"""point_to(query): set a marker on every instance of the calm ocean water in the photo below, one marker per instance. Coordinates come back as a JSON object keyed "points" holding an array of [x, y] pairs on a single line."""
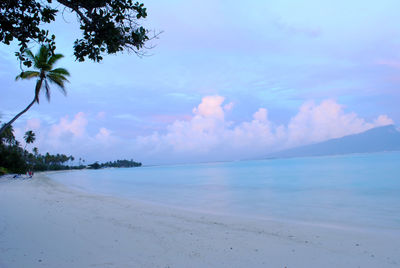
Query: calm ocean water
{"points": [[353, 190]]}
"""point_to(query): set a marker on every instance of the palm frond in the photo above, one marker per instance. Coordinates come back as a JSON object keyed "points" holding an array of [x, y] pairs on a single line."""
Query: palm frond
{"points": [[29, 136], [61, 71], [43, 53], [59, 81], [57, 77], [41, 58], [37, 89], [47, 90], [54, 58], [27, 75], [44, 61], [29, 54]]}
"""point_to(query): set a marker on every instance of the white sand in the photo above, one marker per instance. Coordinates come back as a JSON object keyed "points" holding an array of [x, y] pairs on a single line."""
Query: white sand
{"points": [[45, 224]]}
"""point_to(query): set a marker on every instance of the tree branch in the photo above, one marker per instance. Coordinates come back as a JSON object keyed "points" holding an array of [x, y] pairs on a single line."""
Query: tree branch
{"points": [[75, 8]]}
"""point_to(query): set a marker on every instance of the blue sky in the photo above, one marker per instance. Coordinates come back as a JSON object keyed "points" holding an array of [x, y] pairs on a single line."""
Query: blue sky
{"points": [[226, 80]]}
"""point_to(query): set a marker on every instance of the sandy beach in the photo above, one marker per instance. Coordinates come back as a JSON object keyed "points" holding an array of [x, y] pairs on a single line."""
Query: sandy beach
{"points": [[46, 224]]}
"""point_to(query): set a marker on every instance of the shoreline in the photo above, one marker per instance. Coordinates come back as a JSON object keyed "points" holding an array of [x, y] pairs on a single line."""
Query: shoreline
{"points": [[46, 224]]}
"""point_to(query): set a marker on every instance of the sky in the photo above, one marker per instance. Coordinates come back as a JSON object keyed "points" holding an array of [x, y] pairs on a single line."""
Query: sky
{"points": [[226, 80]]}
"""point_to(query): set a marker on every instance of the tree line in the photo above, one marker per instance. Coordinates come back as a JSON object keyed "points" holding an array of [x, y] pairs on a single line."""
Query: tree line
{"points": [[116, 164], [16, 159]]}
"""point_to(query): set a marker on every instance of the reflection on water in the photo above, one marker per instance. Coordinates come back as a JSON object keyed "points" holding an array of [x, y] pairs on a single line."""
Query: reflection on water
{"points": [[358, 190]]}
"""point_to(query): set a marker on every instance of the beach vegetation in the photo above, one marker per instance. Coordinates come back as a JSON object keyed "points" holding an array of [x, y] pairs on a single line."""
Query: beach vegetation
{"points": [[16, 159], [95, 165], [3, 171], [116, 164], [11, 154]]}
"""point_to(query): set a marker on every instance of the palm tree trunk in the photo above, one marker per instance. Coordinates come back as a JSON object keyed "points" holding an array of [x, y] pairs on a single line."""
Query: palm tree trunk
{"points": [[36, 98], [16, 117]]}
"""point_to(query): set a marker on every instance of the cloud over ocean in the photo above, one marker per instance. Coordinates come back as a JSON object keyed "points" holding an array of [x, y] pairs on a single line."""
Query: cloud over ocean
{"points": [[206, 135]]}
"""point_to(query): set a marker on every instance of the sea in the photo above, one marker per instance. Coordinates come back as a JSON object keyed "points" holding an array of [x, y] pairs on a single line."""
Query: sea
{"points": [[357, 191]]}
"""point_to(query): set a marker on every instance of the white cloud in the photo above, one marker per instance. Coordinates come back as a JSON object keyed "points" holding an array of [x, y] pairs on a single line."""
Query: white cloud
{"points": [[261, 115], [104, 135], [76, 127], [228, 106], [383, 120], [70, 136], [210, 106], [328, 120], [207, 135]]}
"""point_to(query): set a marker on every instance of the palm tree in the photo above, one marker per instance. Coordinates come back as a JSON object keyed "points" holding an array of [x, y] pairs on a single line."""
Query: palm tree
{"points": [[35, 150], [43, 61], [29, 137], [7, 135]]}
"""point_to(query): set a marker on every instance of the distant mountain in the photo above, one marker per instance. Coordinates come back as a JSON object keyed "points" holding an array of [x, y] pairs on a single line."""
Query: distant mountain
{"points": [[378, 139]]}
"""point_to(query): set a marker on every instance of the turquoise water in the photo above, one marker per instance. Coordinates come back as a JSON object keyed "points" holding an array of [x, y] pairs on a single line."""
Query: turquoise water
{"points": [[353, 190]]}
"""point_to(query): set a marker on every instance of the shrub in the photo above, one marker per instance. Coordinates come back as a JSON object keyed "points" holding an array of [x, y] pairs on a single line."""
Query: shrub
{"points": [[3, 171]]}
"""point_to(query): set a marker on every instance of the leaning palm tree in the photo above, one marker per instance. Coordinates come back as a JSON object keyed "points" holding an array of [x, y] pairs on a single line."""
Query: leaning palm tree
{"points": [[29, 137], [43, 62]]}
